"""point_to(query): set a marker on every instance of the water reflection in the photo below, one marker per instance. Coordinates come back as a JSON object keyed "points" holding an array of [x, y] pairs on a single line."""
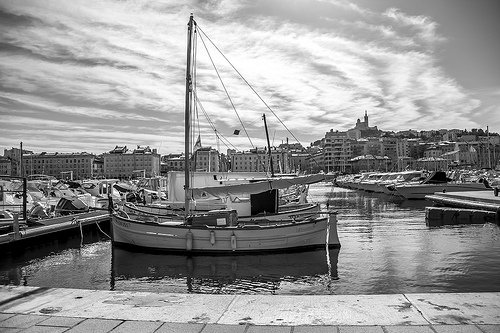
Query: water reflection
{"points": [[257, 273], [386, 248], [38, 264]]}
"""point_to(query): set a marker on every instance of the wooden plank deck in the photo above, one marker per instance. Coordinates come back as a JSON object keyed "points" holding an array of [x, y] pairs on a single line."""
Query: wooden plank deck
{"points": [[52, 227]]}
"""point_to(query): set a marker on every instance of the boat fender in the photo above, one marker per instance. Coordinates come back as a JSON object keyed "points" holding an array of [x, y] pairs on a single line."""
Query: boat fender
{"points": [[233, 242], [212, 237], [189, 240]]}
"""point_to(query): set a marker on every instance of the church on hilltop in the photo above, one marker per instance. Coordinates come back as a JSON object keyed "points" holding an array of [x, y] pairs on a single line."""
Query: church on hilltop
{"points": [[363, 129]]}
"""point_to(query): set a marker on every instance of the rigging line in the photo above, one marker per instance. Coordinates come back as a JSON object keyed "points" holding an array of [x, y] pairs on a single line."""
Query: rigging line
{"points": [[259, 158], [195, 53], [212, 125], [191, 159], [227, 93], [256, 93], [210, 122]]}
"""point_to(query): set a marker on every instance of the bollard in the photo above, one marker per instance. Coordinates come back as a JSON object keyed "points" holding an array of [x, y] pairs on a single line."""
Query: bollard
{"points": [[15, 226]]}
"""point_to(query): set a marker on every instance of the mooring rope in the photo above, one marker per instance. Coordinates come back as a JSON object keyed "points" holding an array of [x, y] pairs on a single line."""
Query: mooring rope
{"points": [[98, 226]]}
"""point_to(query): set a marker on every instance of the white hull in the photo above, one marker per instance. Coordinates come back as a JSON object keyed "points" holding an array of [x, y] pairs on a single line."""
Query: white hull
{"points": [[242, 238], [419, 191]]}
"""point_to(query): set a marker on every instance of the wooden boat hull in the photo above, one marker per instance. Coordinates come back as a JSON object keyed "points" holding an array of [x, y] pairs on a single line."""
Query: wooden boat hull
{"points": [[242, 238], [298, 212]]}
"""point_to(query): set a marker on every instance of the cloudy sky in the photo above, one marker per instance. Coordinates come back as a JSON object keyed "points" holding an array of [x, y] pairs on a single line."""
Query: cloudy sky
{"points": [[87, 75]]}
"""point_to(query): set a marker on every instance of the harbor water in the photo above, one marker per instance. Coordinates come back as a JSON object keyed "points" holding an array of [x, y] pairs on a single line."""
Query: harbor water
{"points": [[386, 248]]}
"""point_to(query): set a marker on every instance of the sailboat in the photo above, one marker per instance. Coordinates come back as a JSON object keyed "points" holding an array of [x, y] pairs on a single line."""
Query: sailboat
{"points": [[221, 231]]}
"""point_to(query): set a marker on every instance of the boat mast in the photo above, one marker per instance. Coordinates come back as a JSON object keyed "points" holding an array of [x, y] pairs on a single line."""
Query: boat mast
{"points": [[187, 120], [268, 146]]}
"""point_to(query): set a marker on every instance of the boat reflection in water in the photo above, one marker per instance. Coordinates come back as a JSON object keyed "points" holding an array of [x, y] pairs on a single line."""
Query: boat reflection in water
{"points": [[257, 273]]}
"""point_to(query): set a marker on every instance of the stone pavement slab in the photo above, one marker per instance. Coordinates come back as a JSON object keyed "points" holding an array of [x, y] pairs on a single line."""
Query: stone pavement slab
{"points": [[23, 321], [409, 329], [456, 329], [462, 308], [315, 329], [322, 310], [74, 310], [95, 326], [180, 328], [217, 328], [358, 329], [61, 322], [137, 327], [489, 328]]}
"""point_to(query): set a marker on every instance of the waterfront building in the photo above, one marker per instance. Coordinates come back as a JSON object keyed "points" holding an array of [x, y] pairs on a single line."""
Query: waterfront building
{"points": [[408, 134], [371, 163], [315, 161], [431, 135], [362, 129], [432, 163], [257, 160], [433, 152], [124, 163], [172, 162], [337, 151], [60, 165], [389, 148], [14, 155], [5, 166], [368, 146], [207, 159], [405, 163], [452, 135], [299, 161]]}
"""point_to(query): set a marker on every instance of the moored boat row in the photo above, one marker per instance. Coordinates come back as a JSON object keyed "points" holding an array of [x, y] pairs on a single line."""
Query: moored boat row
{"points": [[418, 184]]}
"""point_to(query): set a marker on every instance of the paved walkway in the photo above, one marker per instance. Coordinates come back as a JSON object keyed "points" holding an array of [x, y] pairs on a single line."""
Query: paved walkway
{"points": [[31, 309]]}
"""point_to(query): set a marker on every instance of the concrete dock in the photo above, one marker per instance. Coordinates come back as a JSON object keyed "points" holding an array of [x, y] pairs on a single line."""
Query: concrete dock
{"points": [[474, 207], [481, 200], [32, 309]]}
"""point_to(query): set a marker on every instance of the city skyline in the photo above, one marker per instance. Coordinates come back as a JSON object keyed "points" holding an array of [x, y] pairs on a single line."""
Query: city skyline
{"points": [[88, 76]]}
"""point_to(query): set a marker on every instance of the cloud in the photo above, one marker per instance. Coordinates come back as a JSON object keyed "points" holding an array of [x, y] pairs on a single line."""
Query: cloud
{"points": [[97, 72]]}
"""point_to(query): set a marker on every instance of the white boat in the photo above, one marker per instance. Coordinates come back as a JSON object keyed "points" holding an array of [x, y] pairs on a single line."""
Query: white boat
{"points": [[6, 220], [236, 190], [438, 182], [404, 178], [220, 231], [12, 197], [370, 184]]}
